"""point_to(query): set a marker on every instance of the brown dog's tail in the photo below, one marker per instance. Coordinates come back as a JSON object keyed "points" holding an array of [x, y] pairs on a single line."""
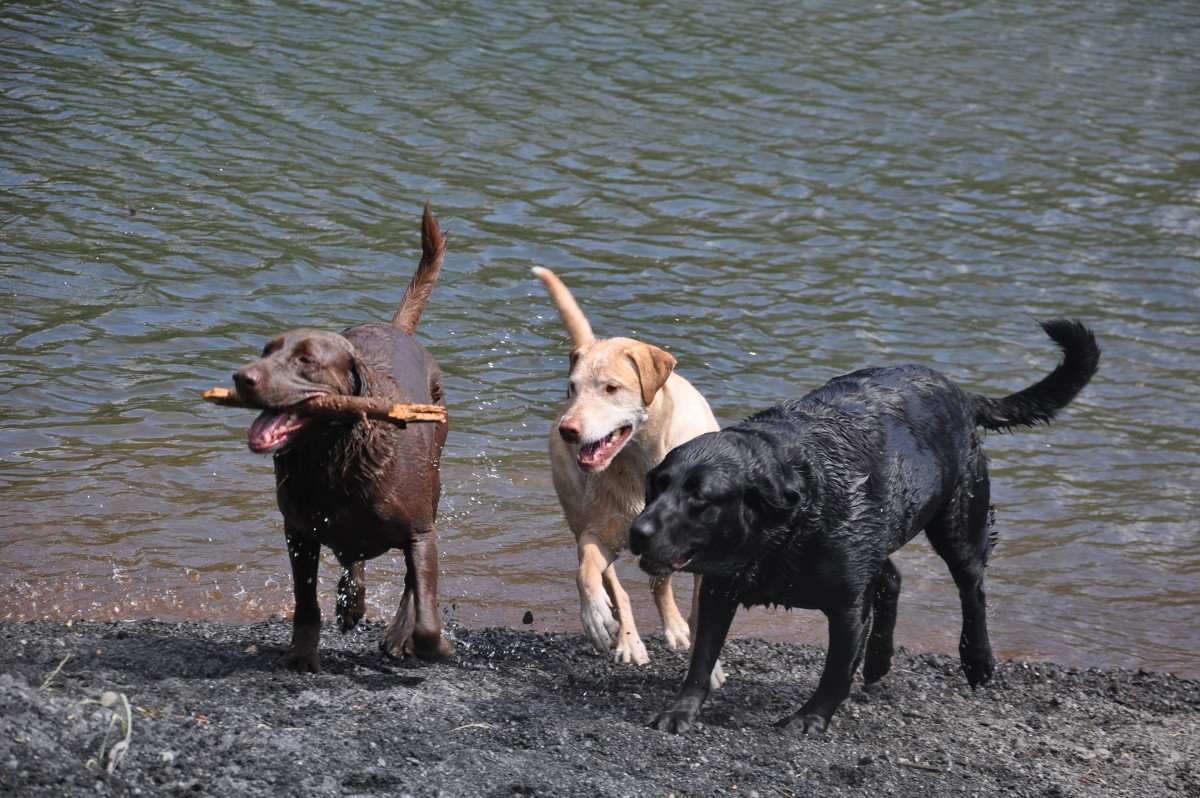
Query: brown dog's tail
{"points": [[1040, 402], [420, 288], [568, 309]]}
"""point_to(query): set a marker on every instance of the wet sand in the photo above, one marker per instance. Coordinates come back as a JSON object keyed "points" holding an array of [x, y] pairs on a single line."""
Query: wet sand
{"points": [[524, 713]]}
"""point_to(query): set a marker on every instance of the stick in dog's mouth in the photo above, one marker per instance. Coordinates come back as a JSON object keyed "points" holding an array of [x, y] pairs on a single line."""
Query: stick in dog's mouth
{"points": [[597, 455]]}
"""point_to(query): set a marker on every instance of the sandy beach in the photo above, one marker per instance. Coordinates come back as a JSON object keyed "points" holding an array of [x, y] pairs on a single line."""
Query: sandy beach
{"points": [[153, 708]]}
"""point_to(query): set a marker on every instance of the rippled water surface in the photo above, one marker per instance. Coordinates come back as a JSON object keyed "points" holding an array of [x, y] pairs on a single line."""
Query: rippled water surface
{"points": [[775, 192]]}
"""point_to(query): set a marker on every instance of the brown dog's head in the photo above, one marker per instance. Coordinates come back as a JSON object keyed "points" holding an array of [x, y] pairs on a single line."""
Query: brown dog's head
{"points": [[295, 366]]}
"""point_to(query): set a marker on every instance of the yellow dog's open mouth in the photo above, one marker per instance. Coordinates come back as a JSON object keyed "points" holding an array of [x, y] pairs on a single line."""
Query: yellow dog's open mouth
{"points": [[597, 455]]}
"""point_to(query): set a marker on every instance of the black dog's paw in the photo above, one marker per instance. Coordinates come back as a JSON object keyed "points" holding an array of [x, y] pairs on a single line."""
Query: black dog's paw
{"points": [[811, 725], [674, 721], [979, 670], [876, 666]]}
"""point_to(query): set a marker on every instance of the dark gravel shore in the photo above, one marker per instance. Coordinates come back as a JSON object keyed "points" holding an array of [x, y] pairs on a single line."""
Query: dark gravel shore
{"points": [[150, 708]]}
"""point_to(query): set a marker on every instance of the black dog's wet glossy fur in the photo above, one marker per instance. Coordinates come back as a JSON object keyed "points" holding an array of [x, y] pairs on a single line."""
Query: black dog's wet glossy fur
{"points": [[802, 504]]}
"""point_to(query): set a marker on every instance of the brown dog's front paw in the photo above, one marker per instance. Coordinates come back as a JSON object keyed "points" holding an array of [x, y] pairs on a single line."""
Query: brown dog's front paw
{"points": [[305, 660], [396, 646], [437, 651], [434, 648]]}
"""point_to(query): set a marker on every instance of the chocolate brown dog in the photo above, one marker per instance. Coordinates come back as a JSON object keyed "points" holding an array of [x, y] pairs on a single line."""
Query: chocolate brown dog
{"points": [[359, 487], [802, 505]]}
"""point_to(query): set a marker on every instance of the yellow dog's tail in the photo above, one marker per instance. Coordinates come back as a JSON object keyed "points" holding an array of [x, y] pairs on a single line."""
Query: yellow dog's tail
{"points": [[568, 309]]}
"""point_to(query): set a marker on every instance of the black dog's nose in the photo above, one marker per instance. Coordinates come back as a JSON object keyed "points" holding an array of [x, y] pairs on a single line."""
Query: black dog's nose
{"points": [[639, 536]]}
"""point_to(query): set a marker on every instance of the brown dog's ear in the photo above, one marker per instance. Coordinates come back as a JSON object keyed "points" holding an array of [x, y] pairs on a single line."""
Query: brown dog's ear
{"points": [[348, 363], [351, 367], [654, 367], [358, 386]]}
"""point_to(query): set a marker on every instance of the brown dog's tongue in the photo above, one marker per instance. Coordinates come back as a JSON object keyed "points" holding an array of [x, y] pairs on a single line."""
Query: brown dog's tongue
{"points": [[271, 429]]}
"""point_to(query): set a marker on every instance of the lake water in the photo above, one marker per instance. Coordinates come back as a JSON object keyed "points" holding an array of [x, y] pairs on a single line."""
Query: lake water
{"points": [[775, 192]]}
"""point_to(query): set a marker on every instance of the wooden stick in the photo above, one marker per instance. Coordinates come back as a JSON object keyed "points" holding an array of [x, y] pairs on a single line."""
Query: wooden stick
{"points": [[331, 405]]}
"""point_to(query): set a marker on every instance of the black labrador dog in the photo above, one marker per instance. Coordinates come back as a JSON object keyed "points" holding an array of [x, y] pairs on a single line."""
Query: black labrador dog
{"points": [[358, 486], [802, 504]]}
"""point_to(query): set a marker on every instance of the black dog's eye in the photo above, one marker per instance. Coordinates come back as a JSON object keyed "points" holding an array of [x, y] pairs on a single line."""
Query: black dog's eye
{"points": [[697, 501]]}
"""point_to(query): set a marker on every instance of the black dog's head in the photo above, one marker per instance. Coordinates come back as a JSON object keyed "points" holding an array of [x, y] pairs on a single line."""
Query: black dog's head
{"points": [[712, 502], [295, 366]]}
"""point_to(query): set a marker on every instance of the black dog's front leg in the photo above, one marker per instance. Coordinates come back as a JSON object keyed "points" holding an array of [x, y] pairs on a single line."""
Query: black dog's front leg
{"points": [[845, 640], [716, 614]]}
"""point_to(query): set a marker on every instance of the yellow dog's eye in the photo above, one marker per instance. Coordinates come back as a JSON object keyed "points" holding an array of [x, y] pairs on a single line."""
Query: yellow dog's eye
{"points": [[611, 388]]}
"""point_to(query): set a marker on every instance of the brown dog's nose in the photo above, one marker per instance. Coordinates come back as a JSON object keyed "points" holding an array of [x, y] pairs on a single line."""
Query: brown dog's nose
{"points": [[570, 430], [247, 377]]}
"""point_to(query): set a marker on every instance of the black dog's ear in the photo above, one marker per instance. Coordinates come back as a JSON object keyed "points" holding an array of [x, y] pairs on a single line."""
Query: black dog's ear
{"points": [[778, 489]]}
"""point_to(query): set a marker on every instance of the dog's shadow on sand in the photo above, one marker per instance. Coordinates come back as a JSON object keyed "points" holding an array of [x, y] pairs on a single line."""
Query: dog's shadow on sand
{"points": [[170, 653]]}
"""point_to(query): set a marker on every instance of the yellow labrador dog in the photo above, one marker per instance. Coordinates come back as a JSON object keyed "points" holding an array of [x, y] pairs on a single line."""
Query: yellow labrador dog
{"points": [[626, 408]]}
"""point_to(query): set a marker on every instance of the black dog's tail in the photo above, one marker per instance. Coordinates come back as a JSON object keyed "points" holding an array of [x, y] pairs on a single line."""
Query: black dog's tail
{"points": [[1039, 403]]}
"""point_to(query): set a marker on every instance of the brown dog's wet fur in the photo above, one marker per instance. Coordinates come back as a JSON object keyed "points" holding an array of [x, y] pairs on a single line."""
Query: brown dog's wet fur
{"points": [[359, 487]]}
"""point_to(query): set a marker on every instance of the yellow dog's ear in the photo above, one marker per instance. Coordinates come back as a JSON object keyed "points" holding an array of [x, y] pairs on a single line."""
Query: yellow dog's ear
{"points": [[654, 367], [576, 353]]}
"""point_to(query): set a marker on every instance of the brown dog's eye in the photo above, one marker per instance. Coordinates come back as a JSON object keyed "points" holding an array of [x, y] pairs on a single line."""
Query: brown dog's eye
{"points": [[305, 360]]}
